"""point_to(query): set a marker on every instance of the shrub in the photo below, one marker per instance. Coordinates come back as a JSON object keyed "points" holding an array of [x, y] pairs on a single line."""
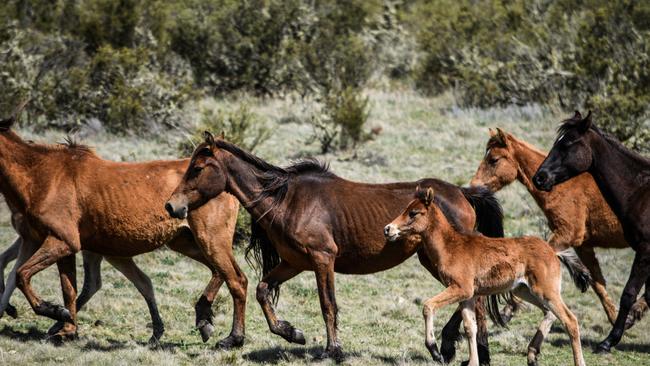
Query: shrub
{"points": [[591, 54], [240, 126], [340, 121]]}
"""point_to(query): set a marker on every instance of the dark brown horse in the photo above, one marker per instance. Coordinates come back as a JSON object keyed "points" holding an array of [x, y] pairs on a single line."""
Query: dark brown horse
{"points": [[623, 178], [64, 199], [308, 219]]}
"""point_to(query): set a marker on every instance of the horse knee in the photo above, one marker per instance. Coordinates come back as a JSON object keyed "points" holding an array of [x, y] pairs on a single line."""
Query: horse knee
{"points": [[262, 292], [21, 279]]}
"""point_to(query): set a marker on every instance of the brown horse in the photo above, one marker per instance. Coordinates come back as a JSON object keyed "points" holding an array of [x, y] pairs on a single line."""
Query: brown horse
{"points": [[65, 199], [91, 284], [623, 178], [308, 219], [583, 222], [471, 265]]}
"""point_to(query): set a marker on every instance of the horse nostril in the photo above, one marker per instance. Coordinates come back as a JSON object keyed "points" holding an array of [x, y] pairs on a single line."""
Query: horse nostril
{"points": [[386, 230], [169, 208]]}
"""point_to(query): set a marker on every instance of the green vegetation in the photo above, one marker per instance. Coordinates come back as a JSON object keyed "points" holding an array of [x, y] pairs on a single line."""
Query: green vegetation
{"points": [[380, 318]]}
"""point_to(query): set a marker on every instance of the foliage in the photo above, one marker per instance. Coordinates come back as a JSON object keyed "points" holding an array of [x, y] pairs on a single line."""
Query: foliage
{"points": [[591, 54], [240, 126]]}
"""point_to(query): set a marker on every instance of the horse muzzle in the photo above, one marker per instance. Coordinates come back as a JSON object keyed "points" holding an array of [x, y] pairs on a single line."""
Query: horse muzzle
{"points": [[391, 232], [543, 181], [176, 211]]}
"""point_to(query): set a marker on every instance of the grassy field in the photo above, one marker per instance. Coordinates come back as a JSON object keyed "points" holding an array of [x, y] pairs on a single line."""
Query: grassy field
{"points": [[380, 315]]}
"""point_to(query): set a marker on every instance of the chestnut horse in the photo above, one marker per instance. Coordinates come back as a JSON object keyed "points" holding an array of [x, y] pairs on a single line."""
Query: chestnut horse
{"points": [[583, 222], [472, 265], [308, 219], [623, 178], [91, 284], [64, 199]]}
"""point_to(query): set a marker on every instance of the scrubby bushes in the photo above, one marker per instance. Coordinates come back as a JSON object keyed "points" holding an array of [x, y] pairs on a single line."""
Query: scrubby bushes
{"points": [[591, 54]]}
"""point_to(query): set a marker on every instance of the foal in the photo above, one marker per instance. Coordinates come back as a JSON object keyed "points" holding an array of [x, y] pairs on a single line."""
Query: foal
{"points": [[583, 222], [471, 265]]}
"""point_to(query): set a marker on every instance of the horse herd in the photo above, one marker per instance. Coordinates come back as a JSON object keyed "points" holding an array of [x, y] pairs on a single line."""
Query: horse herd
{"points": [[65, 199]]}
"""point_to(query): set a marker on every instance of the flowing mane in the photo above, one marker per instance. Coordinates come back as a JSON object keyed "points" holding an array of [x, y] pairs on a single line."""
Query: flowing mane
{"points": [[275, 180], [572, 123]]}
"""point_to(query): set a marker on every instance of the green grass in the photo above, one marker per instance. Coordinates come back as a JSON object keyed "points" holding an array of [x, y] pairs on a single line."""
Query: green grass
{"points": [[380, 315]]}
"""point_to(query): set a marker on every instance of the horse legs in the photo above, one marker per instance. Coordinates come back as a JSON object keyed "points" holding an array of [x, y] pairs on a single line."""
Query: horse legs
{"points": [[7, 256], [26, 250], [185, 244], [143, 284], [639, 308], [450, 295], [570, 322], [535, 345], [469, 323], [451, 333], [281, 273], [588, 258], [324, 270], [50, 252], [638, 276], [68, 277]]}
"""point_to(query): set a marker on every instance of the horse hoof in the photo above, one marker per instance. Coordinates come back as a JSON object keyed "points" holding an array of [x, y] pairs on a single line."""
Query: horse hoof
{"points": [[288, 332], [435, 354], [11, 311], [154, 343], [333, 353], [206, 329], [298, 337], [603, 348], [230, 342], [54, 329], [61, 337]]}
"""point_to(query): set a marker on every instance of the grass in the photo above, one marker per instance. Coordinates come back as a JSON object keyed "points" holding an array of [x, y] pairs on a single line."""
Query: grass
{"points": [[380, 314]]}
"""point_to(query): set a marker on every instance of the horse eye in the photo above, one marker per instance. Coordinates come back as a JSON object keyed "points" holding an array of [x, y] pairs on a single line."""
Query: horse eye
{"points": [[413, 213], [493, 161]]}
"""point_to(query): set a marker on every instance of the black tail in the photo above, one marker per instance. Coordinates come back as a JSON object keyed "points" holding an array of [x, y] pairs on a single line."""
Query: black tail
{"points": [[579, 273], [262, 256], [489, 215], [489, 222]]}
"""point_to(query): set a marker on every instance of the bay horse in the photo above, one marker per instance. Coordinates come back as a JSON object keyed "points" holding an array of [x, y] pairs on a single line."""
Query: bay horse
{"points": [[64, 198], [470, 265], [583, 222], [308, 219], [91, 284], [623, 177]]}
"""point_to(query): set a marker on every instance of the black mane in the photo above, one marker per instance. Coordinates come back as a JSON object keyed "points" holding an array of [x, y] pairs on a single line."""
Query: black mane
{"points": [[275, 180], [572, 123]]}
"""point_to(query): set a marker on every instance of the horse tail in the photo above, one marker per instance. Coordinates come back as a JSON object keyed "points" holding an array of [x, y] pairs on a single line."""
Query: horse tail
{"points": [[489, 215], [262, 256], [579, 273], [489, 222]]}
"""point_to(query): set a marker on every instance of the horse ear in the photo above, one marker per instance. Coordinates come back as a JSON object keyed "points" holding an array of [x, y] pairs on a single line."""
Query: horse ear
{"points": [[209, 138], [222, 135], [502, 137], [491, 132], [428, 198], [585, 124], [577, 116]]}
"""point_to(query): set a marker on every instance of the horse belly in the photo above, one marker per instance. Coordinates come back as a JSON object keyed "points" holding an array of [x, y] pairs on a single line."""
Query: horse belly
{"points": [[129, 239]]}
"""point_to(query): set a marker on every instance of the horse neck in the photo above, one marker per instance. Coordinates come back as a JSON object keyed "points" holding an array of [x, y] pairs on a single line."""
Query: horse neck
{"points": [[16, 161], [614, 173], [439, 236], [244, 183], [529, 159]]}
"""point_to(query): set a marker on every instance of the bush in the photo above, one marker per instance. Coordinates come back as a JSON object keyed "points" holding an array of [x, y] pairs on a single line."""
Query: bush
{"points": [[240, 126], [591, 54], [340, 121]]}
